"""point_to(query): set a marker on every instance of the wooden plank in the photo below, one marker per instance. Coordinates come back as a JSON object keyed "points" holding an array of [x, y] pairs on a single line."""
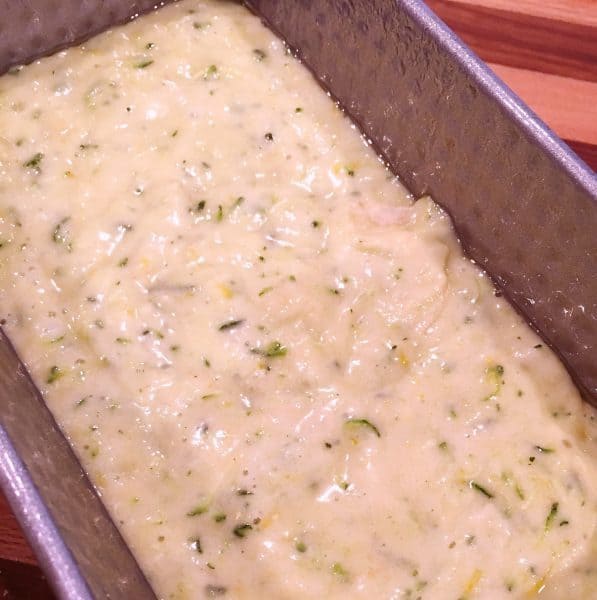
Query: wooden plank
{"points": [[568, 106], [556, 40], [20, 577], [588, 152], [20, 581], [12, 543], [582, 12]]}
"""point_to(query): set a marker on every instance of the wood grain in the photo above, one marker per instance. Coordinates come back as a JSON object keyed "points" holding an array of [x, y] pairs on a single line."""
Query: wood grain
{"points": [[20, 577], [22, 581], [588, 152], [545, 50], [569, 106], [12, 544], [525, 40], [581, 12]]}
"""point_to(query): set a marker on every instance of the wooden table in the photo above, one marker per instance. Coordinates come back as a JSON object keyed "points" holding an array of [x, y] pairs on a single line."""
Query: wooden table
{"points": [[545, 50]]}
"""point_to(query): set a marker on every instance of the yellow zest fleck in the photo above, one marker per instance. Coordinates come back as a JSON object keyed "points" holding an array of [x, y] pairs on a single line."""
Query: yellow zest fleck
{"points": [[494, 374], [192, 254], [341, 482], [81, 335], [538, 587], [473, 581], [99, 480], [350, 169], [268, 520], [225, 291]]}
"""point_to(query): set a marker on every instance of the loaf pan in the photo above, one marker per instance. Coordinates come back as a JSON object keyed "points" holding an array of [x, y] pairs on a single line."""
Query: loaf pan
{"points": [[524, 207]]}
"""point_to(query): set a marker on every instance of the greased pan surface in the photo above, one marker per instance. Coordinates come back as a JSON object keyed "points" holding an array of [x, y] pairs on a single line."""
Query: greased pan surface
{"points": [[523, 205], [33, 28]]}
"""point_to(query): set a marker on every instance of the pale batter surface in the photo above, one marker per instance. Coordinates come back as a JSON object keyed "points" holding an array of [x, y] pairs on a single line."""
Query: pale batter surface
{"points": [[279, 370]]}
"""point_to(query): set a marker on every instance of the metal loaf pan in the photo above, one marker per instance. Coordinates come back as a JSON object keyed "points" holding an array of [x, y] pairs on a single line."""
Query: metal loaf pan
{"points": [[524, 206]]}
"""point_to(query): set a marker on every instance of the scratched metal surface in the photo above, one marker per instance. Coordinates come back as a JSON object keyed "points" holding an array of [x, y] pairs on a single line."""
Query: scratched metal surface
{"points": [[33, 28], [524, 206]]}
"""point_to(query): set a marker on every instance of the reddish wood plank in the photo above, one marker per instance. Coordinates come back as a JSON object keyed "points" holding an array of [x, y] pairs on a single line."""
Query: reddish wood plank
{"points": [[588, 152], [537, 42], [12, 543], [568, 106], [20, 581], [20, 577], [571, 11]]}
